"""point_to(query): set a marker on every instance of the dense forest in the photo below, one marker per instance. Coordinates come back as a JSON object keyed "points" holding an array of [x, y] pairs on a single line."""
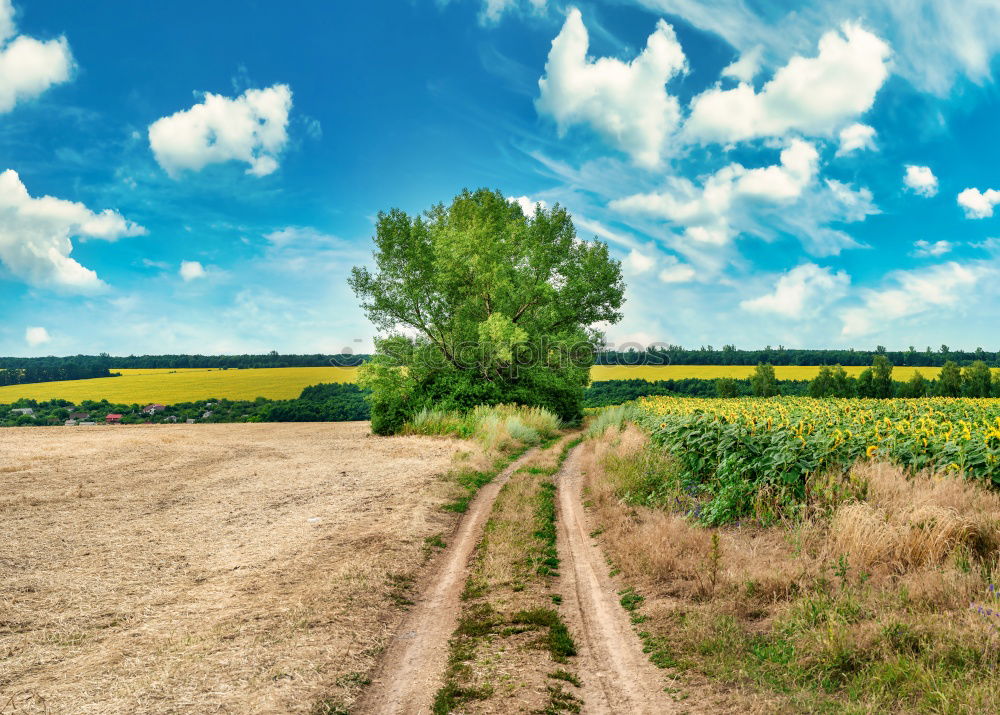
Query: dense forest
{"points": [[730, 355], [105, 361], [41, 372], [663, 355]]}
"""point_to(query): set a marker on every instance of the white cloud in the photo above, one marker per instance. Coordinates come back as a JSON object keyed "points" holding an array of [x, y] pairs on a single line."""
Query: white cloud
{"points": [[625, 102], [801, 292], [28, 66], [37, 336], [855, 137], [747, 66], [192, 270], [934, 42], [978, 204], [925, 249], [638, 263], [676, 272], [253, 128], [527, 204], [706, 211], [35, 236], [920, 180], [812, 95], [914, 293]]}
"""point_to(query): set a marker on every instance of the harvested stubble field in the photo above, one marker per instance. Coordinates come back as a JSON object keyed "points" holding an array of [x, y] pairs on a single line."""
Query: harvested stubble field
{"points": [[218, 568]]}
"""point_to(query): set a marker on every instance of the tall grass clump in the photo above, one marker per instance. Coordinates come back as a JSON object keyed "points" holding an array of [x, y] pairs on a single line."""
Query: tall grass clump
{"points": [[498, 428], [617, 417]]}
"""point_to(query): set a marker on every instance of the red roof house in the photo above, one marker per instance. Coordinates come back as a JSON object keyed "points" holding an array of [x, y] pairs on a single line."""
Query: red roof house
{"points": [[113, 419]]}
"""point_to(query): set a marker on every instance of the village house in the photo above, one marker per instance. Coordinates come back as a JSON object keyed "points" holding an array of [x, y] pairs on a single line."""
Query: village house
{"points": [[153, 409], [71, 423], [79, 416], [22, 411], [113, 419]]}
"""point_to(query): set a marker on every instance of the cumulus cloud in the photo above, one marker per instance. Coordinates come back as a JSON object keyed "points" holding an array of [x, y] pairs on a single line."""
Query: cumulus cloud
{"points": [[191, 271], [801, 292], [920, 180], [913, 293], [36, 233], [625, 102], [855, 137], [527, 204], [637, 262], [747, 66], [925, 249], [934, 42], [706, 211], [252, 128], [28, 66], [812, 95], [36, 336], [978, 204]]}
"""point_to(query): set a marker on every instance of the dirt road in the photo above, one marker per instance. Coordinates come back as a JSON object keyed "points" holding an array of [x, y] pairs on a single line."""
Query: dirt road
{"points": [[617, 676], [412, 666]]}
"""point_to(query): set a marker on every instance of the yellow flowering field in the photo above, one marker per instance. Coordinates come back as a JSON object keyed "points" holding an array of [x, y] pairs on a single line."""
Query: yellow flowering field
{"points": [[171, 386], [732, 448]]}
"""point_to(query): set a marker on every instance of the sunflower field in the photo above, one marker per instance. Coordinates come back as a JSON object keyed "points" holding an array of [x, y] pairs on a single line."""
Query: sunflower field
{"points": [[740, 457]]}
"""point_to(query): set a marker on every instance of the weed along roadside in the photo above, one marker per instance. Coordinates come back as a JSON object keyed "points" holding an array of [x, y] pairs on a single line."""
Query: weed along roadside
{"points": [[856, 602]]}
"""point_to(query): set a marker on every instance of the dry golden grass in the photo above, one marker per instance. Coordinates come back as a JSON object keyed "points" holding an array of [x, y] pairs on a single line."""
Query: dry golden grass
{"points": [[867, 601], [217, 568]]}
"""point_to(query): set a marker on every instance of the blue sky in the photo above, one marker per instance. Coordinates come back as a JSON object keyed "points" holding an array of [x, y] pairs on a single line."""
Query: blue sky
{"points": [[200, 177]]}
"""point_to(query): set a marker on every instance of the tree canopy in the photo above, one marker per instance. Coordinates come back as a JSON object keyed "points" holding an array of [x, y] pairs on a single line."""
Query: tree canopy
{"points": [[480, 304]]}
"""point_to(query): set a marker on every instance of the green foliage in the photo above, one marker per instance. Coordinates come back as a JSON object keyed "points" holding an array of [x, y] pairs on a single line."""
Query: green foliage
{"points": [[750, 459], [866, 384], [318, 403], [842, 385], [763, 381], [499, 305], [949, 383], [726, 387], [977, 380], [821, 385], [881, 377], [916, 387]]}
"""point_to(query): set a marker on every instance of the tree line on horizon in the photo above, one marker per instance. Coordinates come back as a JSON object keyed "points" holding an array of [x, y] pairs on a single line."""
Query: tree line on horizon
{"points": [[849, 357], [669, 355]]}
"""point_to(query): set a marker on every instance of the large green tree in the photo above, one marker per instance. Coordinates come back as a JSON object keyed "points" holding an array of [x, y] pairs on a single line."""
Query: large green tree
{"points": [[480, 304], [949, 382], [977, 380], [881, 377], [763, 382]]}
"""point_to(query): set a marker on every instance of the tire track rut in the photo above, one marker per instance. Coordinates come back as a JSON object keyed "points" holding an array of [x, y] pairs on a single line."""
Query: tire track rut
{"points": [[617, 676]]}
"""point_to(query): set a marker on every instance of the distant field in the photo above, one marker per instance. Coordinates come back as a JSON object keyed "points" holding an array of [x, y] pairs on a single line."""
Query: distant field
{"points": [[175, 385], [183, 385]]}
